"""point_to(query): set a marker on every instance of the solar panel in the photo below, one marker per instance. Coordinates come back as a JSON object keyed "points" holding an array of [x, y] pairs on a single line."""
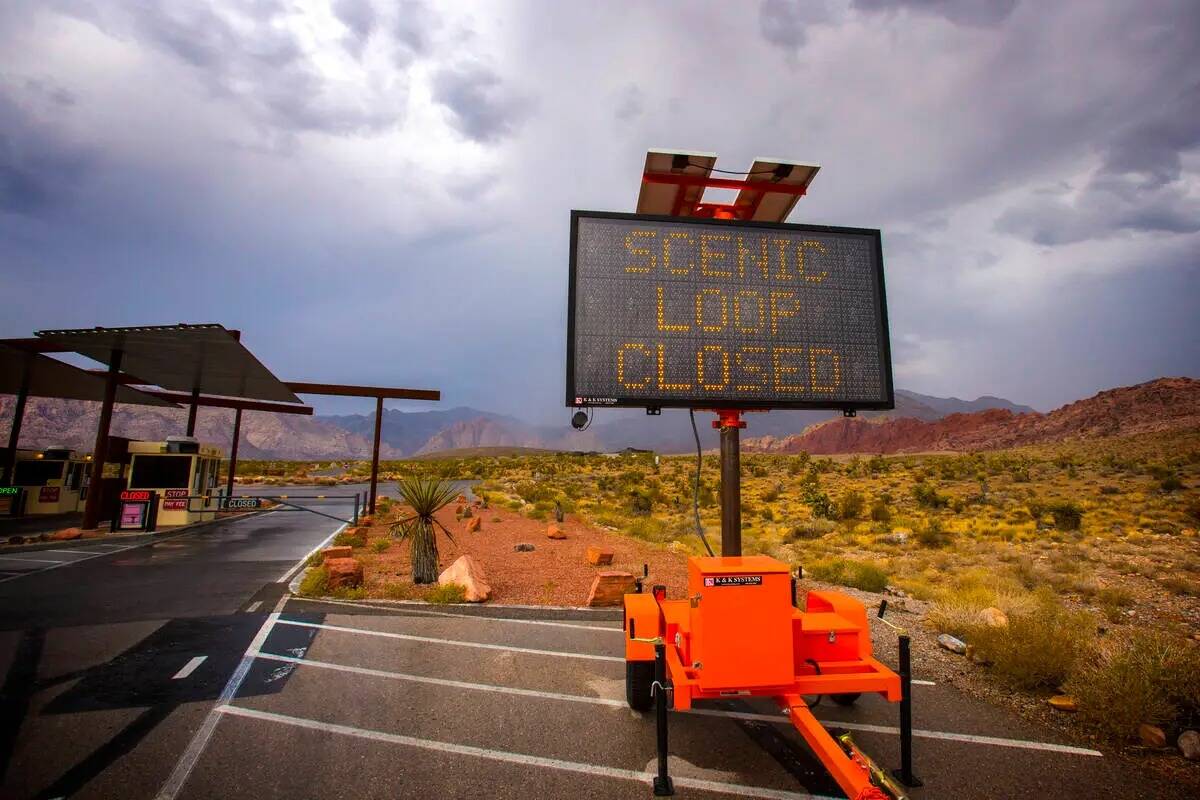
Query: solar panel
{"points": [[774, 206], [661, 198], [204, 358]]}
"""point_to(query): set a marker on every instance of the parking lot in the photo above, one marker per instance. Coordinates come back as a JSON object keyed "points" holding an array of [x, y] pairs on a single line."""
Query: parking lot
{"points": [[348, 700]]}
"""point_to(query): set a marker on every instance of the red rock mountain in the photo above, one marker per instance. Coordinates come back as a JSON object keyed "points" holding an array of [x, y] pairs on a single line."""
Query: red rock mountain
{"points": [[1163, 404]]}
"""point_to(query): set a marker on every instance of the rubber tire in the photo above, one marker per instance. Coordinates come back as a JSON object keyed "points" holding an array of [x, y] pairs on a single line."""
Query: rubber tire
{"points": [[639, 676], [845, 699]]}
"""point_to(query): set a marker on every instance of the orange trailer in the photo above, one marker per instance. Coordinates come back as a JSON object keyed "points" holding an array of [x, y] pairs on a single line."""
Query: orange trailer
{"points": [[739, 634]]}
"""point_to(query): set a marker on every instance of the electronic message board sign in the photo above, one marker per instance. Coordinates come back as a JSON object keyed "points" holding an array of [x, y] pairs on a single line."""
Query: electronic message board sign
{"points": [[704, 313]]}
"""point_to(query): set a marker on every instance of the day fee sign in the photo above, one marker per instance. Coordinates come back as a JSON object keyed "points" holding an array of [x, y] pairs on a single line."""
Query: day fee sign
{"points": [[703, 313]]}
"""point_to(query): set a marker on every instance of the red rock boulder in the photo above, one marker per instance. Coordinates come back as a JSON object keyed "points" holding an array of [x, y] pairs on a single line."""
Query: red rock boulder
{"points": [[555, 532], [467, 573], [340, 551], [598, 556], [67, 534], [474, 524], [344, 573], [610, 588]]}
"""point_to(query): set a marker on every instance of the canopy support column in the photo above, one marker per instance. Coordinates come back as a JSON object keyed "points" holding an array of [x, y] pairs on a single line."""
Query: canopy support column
{"points": [[14, 432], [191, 426], [375, 452], [91, 509], [237, 434]]}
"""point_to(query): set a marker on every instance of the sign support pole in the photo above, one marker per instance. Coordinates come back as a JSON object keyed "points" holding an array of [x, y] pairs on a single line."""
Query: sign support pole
{"points": [[237, 434], [730, 424]]}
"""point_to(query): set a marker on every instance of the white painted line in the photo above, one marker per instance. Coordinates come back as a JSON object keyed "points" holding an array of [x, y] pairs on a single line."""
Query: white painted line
{"points": [[455, 642], [708, 712], [188, 668], [28, 558], [479, 687], [997, 741], [121, 549], [406, 609], [522, 759], [916, 682], [195, 748], [250, 609], [287, 575], [84, 552]]}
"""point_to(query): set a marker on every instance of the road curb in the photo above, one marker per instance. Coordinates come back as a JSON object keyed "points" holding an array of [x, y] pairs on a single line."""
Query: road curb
{"points": [[473, 610]]}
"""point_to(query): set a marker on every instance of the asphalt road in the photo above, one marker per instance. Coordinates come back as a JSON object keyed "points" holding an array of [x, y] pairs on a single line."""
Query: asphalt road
{"points": [[104, 697]]}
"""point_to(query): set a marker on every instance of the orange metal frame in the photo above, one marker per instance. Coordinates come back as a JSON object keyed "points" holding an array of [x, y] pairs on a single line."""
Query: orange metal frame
{"points": [[720, 210]]}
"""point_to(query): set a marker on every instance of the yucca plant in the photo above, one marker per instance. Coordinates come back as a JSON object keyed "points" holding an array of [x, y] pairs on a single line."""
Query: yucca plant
{"points": [[426, 496]]}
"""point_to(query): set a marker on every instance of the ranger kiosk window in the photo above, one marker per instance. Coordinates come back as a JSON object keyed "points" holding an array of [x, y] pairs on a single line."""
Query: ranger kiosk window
{"points": [[37, 472], [160, 472], [702, 313]]}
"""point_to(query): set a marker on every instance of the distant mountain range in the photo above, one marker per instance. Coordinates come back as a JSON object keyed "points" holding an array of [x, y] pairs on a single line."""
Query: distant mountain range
{"points": [[1163, 404], [918, 422]]}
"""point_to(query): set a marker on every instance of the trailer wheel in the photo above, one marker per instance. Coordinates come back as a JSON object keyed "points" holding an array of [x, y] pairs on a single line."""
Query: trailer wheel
{"points": [[639, 675], [846, 699]]}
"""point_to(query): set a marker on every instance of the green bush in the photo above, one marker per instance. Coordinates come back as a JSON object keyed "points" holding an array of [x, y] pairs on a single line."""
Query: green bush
{"points": [[1037, 649], [1171, 483], [379, 545], [848, 572], [932, 534], [348, 539], [1067, 515], [445, 593], [811, 529], [1134, 677], [315, 583], [927, 496], [850, 505], [880, 512]]}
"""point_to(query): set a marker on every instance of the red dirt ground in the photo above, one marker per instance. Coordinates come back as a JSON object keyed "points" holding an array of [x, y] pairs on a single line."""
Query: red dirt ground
{"points": [[555, 573]]}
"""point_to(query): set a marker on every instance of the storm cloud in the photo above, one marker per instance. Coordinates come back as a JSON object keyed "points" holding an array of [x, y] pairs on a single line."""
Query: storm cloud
{"points": [[379, 192]]}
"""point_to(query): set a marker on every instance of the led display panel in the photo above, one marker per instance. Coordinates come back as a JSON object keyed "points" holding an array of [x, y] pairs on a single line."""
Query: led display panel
{"points": [[701, 313]]}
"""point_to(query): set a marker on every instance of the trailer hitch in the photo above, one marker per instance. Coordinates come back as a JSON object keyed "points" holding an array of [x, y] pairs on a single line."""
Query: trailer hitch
{"points": [[879, 777]]}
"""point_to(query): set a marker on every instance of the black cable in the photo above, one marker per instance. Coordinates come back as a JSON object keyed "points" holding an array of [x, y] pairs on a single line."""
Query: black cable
{"points": [[696, 487], [817, 667], [733, 171]]}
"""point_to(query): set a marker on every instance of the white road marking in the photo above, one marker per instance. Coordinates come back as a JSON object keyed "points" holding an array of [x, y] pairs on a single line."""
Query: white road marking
{"points": [[404, 609], [250, 609], [287, 575], [188, 668], [708, 712], [84, 552], [455, 642], [195, 748], [480, 687], [120, 549], [522, 759], [30, 558], [916, 682]]}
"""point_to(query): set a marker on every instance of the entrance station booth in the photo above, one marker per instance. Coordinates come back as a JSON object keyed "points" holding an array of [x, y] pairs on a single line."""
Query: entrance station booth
{"points": [[182, 473], [52, 480]]}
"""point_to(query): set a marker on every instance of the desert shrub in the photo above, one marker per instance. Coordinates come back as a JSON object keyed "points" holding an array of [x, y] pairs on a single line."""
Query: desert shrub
{"points": [[810, 529], [640, 502], [1109, 490], [1171, 483], [1181, 585], [379, 545], [1067, 515], [315, 583], [850, 505], [880, 511], [398, 591], [1137, 676], [1038, 649], [772, 494], [767, 514], [847, 572], [932, 534], [927, 496], [348, 539], [447, 593]]}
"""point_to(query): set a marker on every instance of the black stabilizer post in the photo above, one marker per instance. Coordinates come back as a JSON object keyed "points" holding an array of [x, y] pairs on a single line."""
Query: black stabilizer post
{"points": [[662, 781], [356, 508], [905, 773]]}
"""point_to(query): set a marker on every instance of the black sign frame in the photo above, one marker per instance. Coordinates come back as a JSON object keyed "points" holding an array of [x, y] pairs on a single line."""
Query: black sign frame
{"points": [[757, 405]]}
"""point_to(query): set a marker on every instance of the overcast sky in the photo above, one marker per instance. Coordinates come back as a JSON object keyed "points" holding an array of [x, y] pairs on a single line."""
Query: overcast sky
{"points": [[379, 192]]}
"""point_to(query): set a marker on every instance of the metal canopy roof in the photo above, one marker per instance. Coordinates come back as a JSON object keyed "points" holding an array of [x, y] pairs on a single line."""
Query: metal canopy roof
{"points": [[204, 358], [50, 378]]}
